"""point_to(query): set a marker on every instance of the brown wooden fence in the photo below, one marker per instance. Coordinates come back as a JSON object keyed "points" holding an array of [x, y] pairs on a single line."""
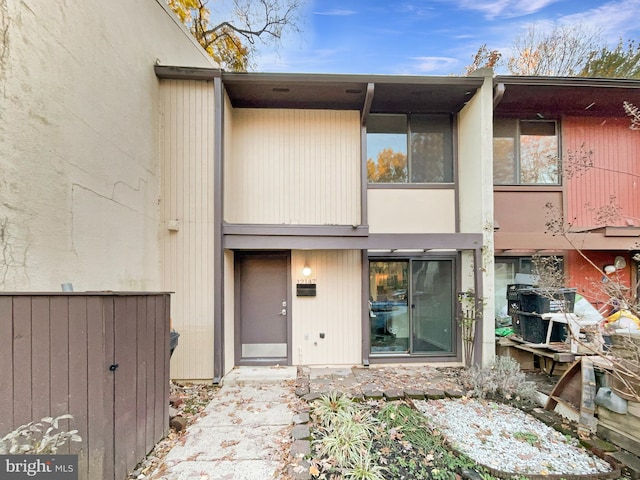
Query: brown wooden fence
{"points": [[103, 358]]}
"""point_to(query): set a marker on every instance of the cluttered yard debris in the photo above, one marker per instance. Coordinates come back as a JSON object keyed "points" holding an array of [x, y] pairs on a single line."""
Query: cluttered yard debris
{"points": [[594, 353]]}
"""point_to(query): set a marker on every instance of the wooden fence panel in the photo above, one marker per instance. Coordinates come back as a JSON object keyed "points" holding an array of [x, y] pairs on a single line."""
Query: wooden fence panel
{"points": [[78, 378], [57, 360], [162, 358], [22, 361], [6, 365], [99, 419], [150, 358], [108, 385], [40, 361], [164, 382], [59, 369], [140, 400]]}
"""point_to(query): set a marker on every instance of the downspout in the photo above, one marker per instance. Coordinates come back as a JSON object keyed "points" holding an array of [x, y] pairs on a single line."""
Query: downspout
{"points": [[364, 255], [218, 249]]}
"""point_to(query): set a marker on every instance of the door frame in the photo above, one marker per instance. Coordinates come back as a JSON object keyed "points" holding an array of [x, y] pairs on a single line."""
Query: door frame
{"points": [[456, 345], [237, 337]]}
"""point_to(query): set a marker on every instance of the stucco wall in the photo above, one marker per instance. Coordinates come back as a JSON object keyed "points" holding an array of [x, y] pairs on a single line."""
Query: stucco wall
{"points": [[79, 169], [475, 174], [412, 210]]}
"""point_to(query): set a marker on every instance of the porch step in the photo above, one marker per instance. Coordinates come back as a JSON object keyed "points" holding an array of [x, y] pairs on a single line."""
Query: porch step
{"points": [[256, 375]]}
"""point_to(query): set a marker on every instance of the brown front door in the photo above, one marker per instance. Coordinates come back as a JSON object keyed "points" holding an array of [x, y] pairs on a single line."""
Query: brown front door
{"points": [[262, 308]]}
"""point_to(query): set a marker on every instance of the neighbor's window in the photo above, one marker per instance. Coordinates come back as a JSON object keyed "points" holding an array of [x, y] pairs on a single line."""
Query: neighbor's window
{"points": [[505, 271], [409, 149], [525, 152]]}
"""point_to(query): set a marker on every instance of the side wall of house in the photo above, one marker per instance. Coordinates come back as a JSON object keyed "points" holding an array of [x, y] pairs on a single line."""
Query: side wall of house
{"points": [[79, 141], [187, 227], [475, 174], [600, 157], [229, 256]]}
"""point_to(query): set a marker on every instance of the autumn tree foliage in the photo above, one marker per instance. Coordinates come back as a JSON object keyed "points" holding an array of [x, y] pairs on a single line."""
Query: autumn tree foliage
{"points": [[484, 58], [390, 167], [231, 42]]}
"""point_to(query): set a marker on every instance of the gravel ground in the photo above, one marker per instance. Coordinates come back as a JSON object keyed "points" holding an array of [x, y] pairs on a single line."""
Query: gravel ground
{"points": [[507, 439]]}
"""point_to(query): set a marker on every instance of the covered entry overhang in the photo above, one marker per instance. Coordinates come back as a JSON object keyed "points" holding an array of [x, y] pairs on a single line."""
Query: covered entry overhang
{"points": [[341, 237]]}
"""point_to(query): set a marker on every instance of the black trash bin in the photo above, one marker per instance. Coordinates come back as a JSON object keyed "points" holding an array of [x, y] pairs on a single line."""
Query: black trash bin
{"points": [[173, 342]]}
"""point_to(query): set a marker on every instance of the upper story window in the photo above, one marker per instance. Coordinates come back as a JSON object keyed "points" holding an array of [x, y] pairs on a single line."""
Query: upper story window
{"points": [[525, 152], [409, 149]]}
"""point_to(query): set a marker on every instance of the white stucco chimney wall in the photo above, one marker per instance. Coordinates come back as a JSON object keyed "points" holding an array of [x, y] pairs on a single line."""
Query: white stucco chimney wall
{"points": [[79, 168]]}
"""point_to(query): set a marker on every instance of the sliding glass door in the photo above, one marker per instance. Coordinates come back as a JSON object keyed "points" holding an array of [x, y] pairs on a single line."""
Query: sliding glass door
{"points": [[412, 306]]}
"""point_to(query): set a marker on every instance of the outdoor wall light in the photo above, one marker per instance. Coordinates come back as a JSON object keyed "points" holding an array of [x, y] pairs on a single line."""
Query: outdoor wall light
{"points": [[618, 264], [306, 270]]}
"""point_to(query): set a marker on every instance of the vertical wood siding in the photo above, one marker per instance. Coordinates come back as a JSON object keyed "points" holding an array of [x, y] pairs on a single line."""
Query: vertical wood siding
{"points": [[615, 170], [55, 360], [294, 167], [187, 195], [336, 310]]}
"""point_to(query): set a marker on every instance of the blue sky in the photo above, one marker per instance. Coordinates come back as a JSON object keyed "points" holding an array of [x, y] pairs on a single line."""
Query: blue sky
{"points": [[435, 37]]}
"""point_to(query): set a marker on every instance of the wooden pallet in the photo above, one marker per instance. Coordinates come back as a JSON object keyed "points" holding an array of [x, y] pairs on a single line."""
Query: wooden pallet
{"points": [[576, 390], [556, 352]]}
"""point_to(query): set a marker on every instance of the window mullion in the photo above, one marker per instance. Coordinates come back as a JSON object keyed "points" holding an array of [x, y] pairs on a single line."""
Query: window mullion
{"points": [[409, 153]]}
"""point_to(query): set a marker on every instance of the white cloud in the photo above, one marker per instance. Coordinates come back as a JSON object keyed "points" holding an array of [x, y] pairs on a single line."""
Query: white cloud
{"points": [[336, 12], [615, 19], [433, 64], [505, 8]]}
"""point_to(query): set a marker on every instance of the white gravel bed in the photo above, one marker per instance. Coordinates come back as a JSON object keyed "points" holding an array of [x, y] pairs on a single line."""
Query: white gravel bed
{"points": [[507, 439]]}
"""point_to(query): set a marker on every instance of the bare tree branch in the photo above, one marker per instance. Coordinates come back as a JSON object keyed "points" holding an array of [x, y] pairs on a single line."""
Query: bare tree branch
{"points": [[231, 42], [562, 51]]}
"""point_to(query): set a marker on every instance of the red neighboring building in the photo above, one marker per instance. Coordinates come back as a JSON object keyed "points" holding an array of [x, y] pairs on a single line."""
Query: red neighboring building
{"points": [[563, 149]]}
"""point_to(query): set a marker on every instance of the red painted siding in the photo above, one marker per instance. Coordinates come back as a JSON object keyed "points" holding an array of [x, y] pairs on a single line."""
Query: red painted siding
{"points": [[615, 171], [588, 276]]}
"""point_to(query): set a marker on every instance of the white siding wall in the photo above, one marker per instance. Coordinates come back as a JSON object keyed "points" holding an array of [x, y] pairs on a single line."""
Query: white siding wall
{"points": [[79, 182], [187, 128], [294, 167], [411, 210], [475, 172], [229, 259], [336, 310]]}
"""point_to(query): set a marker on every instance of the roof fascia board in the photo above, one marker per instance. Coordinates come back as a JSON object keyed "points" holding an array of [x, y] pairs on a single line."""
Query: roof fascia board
{"points": [[186, 73], [257, 78], [567, 81]]}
